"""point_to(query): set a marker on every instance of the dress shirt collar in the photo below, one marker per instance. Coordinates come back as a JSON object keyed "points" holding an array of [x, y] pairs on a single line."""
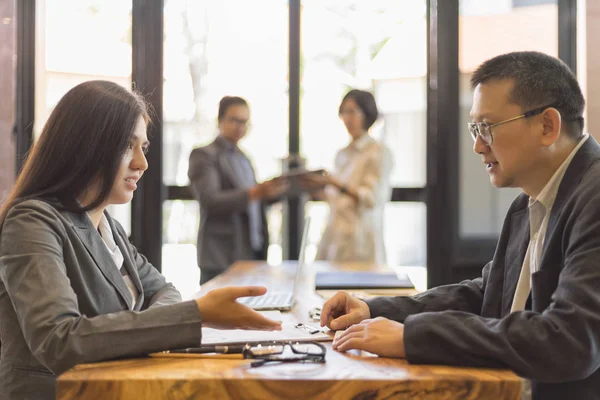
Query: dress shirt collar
{"points": [[548, 194], [106, 233], [226, 143]]}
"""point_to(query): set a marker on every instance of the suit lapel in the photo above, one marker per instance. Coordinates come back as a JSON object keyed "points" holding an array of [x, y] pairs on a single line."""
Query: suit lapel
{"points": [[514, 257], [128, 263], [96, 248]]}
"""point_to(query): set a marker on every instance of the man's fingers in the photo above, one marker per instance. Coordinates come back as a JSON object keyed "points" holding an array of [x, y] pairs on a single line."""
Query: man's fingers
{"points": [[349, 333], [282, 188], [325, 313], [347, 336], [276, 189], [341, 322], [355, 343], [326, 318], [351, 329], [332, 307]]}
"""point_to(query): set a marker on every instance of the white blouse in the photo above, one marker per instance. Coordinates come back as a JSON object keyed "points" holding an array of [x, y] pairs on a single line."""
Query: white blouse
{"points": [[117, 256], [354, 230]]}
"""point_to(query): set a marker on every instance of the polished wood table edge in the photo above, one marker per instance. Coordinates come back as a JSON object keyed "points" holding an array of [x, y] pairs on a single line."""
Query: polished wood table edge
{"points": [[95, 371], [135, 377]]}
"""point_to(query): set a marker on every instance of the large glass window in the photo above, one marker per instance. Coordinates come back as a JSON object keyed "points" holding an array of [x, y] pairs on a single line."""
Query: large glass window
{"points": [[78, 41], [179, 248], [483, 34], [215, 48], [181, 220], [405, 242], [378, 46]]}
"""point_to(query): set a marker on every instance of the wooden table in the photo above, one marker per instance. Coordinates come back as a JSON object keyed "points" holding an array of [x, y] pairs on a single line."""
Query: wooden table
{"points": [[350, 375]]}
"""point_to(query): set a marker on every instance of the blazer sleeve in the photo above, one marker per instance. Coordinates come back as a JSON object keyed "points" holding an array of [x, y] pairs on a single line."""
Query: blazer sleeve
{"points": [[376, 176], [33, 271], [205, 179], [560, 344], [466, 296], [157, 291]]}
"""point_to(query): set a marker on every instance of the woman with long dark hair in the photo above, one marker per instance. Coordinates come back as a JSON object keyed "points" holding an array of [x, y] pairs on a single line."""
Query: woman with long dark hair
{"points": [[73, 289]]}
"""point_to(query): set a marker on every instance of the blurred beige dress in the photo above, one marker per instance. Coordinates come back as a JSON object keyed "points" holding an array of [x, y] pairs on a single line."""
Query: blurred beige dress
{"points": [[354, 231]]}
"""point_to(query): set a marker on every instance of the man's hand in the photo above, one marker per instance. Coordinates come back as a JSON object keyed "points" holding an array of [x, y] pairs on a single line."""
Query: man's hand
{"points": [[219, 309], [270, 189], [343, 310], [379, 336]]}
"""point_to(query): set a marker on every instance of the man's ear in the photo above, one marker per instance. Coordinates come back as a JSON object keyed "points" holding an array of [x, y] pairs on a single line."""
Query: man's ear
{"points": [[551, 125]]}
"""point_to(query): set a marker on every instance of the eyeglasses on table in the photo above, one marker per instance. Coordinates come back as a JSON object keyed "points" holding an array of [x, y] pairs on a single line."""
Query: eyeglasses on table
{"points": [[283, 352]]}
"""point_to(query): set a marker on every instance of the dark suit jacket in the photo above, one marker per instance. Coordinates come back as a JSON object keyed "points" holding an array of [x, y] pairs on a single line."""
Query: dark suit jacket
{"points": [[556, 342], [224, 234], [64, 302]]}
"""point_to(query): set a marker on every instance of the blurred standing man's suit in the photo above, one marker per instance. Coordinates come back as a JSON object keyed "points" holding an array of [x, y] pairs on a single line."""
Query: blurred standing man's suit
{"points": [[232, 205]]}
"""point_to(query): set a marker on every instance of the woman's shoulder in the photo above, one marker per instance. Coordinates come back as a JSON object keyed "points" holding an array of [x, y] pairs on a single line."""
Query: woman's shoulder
{"points": [[377, 149], [34, 205], [377, 144], [32, 220], [32, 211]]}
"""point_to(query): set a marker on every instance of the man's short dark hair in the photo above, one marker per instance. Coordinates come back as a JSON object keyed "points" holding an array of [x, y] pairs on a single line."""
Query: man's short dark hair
{"points": [[539, 80], [366, 102], [229, 101]]}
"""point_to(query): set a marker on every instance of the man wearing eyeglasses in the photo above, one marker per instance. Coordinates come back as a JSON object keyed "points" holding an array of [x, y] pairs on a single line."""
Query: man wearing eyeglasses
{"points": [[233, 225], [536, 308]]}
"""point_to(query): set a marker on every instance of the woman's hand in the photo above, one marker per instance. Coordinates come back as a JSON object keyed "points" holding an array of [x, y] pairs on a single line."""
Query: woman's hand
{"points": [[314, 181], [219, 309]]}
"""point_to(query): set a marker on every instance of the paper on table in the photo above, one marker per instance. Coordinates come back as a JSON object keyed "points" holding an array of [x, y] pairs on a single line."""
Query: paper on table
{"points": [[239, 336]]}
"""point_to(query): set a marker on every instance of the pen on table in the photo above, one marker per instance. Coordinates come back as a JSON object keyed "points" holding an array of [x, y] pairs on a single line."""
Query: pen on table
{"points": [[210, 349]]}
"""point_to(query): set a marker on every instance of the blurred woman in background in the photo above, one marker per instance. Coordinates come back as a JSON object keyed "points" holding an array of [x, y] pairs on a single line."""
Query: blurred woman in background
{"points": [[357, 189]]}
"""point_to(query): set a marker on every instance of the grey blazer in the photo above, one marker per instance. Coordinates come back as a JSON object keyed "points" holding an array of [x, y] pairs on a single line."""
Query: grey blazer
{"points": [[555, 342], [224, 234], [64, 302]]}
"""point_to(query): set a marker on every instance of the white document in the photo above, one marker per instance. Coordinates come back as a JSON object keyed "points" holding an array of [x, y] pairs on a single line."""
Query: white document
{"points": [[289, 332]]}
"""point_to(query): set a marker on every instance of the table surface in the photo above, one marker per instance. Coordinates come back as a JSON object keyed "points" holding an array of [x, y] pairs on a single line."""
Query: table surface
{"points": [[354, 374]]}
